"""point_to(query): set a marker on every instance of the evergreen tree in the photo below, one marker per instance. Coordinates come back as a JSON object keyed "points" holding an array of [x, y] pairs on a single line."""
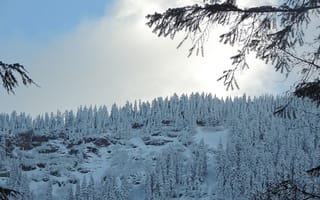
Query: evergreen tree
{"points": [[77, 195], [84, 189], [70, 195], [91, 189], [24, 188], [124, 188], [48, 191]]}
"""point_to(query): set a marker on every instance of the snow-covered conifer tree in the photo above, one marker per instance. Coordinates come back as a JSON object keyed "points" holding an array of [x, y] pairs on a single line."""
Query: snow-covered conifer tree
{"points": [[70, 195], [91, 189], [77, 195], [48, 191], [84, 189]]}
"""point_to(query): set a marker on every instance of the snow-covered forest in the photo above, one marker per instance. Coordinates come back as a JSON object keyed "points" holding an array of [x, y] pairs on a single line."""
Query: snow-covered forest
{"points": [[187, 147]]}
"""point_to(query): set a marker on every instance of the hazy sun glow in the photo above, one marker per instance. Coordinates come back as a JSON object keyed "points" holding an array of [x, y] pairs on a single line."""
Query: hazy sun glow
{"points": [[116, 58]]}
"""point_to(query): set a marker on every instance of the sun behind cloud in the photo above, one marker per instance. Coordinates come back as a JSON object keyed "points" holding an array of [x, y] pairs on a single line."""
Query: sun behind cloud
{"points": [[116, 58]]}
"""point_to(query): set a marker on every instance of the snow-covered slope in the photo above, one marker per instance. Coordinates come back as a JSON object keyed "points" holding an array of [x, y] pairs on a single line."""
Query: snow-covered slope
{"points": [[188, 147], [63, 163], [212, 136]]}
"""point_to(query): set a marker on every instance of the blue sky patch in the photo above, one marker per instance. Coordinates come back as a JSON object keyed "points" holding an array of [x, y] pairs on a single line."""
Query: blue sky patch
{"points": [[39, 19]]}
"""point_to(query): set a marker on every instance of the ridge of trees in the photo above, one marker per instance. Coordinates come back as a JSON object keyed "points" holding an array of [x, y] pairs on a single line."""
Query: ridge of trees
{"points": [[264, 151]]}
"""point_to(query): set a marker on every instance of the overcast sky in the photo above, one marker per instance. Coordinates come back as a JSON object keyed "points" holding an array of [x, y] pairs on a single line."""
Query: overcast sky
{"points": [[101, 52]]}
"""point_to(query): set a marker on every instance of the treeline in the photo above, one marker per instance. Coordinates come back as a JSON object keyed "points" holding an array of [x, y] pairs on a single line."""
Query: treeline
{"points": [[178, 112]]}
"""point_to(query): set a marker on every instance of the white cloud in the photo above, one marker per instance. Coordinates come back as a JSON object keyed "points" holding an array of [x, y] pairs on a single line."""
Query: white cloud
{"points": [[117, 58]]}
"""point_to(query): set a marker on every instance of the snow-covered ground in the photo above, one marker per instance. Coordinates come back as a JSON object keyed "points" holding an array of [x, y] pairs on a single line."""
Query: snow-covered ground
{"points": [[212, 136], [134, 158]]}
